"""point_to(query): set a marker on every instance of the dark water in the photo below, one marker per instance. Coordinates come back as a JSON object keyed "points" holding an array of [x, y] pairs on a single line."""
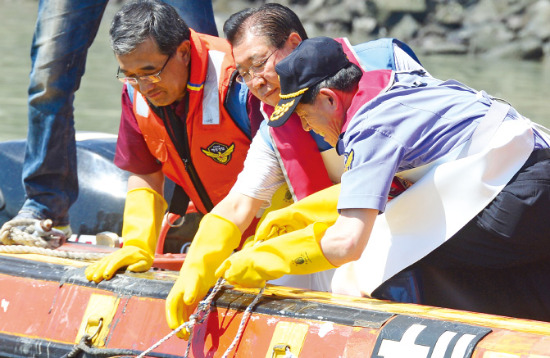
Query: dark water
{"points": [[97, 104]]}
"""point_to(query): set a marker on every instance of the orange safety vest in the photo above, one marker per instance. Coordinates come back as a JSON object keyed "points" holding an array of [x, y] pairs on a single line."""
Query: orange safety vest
{"points": [[216, 147]]}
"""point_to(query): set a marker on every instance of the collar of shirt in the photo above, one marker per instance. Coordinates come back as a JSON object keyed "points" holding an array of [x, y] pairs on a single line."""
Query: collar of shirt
{"points": [[340, 146]]}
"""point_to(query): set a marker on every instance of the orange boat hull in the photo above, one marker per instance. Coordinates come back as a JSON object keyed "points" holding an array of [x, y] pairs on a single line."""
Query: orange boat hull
{"points": [[47, 305]]}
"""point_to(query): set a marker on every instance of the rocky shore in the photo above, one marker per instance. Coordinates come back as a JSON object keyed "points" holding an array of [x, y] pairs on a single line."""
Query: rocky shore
{"points": [[518, 29]]}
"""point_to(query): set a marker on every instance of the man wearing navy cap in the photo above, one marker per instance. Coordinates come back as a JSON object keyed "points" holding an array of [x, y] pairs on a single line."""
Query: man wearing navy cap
{"points": [[475, 217]]}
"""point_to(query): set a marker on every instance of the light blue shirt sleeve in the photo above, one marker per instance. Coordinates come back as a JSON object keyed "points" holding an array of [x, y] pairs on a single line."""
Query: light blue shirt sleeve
{"points": [[376, 55], [236, 106], [381, 54], [264, 132]]}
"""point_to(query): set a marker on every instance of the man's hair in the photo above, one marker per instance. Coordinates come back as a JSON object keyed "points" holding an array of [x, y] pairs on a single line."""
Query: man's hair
{"points": [[139, 20], [272, 20], [344, 80]]}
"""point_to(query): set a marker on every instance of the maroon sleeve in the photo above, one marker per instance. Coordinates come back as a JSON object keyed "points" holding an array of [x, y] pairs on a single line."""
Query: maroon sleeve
{"points": [[132, 153]]}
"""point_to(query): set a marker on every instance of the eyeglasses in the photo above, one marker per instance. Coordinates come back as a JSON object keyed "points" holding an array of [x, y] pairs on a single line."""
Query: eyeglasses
{"points": [[133, 80], [254, 70]]}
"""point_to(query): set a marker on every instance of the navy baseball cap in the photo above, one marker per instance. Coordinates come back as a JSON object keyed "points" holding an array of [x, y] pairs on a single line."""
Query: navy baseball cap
{"points": [[312, 61]]}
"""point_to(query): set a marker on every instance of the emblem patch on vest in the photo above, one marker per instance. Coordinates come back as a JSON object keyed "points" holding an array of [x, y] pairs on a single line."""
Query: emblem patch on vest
{"points": [[218, 152], [348, 159]]}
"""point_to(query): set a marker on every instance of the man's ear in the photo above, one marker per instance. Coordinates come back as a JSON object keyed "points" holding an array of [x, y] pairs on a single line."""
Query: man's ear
{"points": [[184, 50], [330, 98], [294, 40]]}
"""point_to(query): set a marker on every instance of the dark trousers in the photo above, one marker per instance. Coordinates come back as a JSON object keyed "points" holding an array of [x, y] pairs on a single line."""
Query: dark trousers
{"points": [[500, 261]]}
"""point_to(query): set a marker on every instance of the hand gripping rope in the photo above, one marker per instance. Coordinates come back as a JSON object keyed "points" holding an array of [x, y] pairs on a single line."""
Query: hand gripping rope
{"points": [[202, 313]]}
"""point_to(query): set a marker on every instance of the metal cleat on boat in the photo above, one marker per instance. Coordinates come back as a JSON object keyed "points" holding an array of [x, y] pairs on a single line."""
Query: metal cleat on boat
{"points": [[108, 238]]}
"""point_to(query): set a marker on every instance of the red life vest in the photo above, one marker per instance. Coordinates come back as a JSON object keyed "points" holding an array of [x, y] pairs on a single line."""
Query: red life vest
{"points": [[371, 85], [303, 165], [216, 145]]}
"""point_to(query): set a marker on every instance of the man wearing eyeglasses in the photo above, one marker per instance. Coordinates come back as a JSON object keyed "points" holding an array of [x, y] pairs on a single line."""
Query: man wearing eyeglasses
{"points": [[260, 38], [182, 117]]}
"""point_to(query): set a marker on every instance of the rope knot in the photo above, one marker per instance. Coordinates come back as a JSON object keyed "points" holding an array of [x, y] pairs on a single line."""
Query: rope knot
{"points": [[32, 232]]}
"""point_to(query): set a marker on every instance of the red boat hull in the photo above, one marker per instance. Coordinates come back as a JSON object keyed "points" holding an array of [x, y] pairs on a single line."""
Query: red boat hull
{"points": [[46, 305]]}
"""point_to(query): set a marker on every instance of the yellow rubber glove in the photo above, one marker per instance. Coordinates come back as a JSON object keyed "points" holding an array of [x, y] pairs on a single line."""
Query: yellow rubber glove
{"points": [[282, 198], [296, 253], [215, 240], [143, 213], [317, 207]]}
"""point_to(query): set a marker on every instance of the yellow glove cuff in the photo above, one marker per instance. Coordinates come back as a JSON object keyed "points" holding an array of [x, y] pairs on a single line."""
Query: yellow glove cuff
{"points": [[318, 207], [297, 253], [142, 221]]}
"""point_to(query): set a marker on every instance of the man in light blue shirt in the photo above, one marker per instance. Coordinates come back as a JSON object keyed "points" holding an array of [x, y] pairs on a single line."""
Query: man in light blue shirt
{"points": [[477, 208]]}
